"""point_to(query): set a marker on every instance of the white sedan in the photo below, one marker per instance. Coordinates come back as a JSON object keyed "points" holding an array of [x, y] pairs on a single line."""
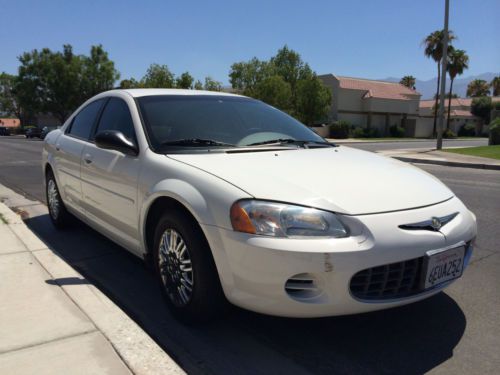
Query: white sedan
{"points": [[232, 200]]}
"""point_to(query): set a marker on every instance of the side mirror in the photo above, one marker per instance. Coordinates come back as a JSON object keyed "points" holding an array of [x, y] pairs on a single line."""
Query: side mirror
{"points": [[116, 140]]}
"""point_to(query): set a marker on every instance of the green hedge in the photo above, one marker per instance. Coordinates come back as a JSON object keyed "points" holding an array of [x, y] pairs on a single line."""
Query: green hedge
{"points": [[359, 132], [397, 131], [495, 132], [448, 133], [467, 130], [340, 129]]}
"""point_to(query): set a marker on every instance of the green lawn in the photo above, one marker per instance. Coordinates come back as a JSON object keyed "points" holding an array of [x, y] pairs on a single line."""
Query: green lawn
{"points": [[492, 152]]}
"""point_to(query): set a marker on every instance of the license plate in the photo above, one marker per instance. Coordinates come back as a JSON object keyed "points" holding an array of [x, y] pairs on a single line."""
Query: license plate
{"points": [[443, 265]]}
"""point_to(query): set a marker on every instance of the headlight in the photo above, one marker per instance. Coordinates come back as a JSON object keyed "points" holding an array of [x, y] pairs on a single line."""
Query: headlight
{"points": [[284, 220]]}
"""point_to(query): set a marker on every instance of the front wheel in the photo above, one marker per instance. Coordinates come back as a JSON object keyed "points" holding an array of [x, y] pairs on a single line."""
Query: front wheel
{"points": [[59, 216], [185, 269]]}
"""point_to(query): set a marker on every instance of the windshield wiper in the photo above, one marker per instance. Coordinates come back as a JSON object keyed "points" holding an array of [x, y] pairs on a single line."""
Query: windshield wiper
{"points": [[275, 141], [291, 141], [195, 142]]}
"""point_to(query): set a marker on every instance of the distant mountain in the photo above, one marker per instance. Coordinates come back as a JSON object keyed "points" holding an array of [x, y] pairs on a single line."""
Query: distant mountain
{"points": [[428, 88]]}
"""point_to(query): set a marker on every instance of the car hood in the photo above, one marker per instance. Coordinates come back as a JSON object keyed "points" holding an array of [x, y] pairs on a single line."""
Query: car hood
{"points": [[340, 179]]}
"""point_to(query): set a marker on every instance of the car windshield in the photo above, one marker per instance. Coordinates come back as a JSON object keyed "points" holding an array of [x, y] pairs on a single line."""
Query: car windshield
{"points": [[183, 121]]}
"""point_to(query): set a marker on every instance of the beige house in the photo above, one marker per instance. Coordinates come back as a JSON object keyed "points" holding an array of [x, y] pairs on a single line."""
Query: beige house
{"points": [[373, 104], [460, 114]]}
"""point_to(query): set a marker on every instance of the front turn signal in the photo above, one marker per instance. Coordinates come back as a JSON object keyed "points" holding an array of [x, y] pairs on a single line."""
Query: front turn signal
{"points": [[240, 220]]}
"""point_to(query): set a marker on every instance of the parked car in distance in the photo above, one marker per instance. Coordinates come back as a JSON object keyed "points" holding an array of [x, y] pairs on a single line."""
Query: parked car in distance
{"points": [[4, 130], [33, 133], [46, 130], [230, 199]]}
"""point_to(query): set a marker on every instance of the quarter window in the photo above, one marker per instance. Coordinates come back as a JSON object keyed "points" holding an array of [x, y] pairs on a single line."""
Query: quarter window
{"points": [[83, 122], [116, 116]]}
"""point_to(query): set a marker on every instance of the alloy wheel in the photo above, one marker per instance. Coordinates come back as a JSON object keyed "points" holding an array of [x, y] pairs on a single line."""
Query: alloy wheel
{"points": [[53, 198], [175, 267]]}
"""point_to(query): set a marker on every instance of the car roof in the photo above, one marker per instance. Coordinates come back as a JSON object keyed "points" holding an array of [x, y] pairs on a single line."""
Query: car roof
{"points": [[147, 92]]}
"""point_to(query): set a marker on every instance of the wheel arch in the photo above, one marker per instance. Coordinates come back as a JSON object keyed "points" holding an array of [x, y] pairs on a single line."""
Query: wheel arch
{"points": [[156, 208]]}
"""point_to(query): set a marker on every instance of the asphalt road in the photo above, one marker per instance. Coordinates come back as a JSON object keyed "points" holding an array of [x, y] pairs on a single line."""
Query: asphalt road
{"points": [[457, 331]]}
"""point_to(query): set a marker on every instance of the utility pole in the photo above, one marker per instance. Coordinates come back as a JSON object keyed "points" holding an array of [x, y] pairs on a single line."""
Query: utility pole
{"points": [[444, 61]]}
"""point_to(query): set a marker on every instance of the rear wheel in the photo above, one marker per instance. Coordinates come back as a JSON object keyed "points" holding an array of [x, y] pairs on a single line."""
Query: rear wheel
{"points": [[59, 216], [185, 269]]}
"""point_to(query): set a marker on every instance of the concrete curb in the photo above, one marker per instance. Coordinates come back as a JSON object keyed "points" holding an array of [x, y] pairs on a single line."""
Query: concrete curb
{"points": [[139, 351], [448, 163], [344, 141]]}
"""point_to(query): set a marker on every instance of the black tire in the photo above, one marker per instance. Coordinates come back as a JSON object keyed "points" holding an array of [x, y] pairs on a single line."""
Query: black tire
{"points": [[207, 299], [60, 217]]}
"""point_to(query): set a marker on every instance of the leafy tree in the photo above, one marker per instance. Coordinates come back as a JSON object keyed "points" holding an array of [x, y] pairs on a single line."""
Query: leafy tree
{"points": [[58, 82], [185, 81], [458, 61], [274, 91], [478, 88], [447, 96], [51, 82], [212, 85], [158, 76], [481, 107], [198, 85], [245, 76], [288, 64], [283, 82], [98, 73], [495, 86], [408, 81], [129, 84], [434, 49], [313, 100], [8, 102], [9, 99]]}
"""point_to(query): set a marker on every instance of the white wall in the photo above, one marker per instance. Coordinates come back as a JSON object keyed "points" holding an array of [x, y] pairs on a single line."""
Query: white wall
{"points": [[353, 118], [350, 100], [410, 107], [424, 127]]}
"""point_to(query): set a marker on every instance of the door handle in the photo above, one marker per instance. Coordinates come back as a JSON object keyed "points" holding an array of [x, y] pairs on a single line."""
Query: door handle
{"points": [[58, 147], [87, 158]]}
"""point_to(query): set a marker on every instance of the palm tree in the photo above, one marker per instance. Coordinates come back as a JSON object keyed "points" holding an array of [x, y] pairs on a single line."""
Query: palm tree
{"points": [[434, 49], [458, 61], [495, 85], [408, 81], [478, 87]]}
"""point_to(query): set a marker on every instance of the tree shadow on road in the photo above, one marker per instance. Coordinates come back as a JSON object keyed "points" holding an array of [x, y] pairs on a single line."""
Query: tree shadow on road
{"points": [[407, 340]]}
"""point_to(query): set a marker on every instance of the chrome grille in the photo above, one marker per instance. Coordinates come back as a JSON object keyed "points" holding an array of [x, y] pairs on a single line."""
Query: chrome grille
{"points": [[388, 281]]}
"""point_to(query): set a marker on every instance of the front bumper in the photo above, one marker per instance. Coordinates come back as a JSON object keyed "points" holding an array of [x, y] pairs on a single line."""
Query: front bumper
{"points": [[254, 270]]}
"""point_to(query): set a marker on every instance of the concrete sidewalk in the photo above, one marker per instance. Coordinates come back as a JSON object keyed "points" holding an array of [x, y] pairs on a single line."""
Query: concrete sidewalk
{"points": [[398, 140], [431, 156], [54, 321]]}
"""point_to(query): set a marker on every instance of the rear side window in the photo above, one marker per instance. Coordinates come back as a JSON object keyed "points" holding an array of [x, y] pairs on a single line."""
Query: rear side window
{"points": [[83, 122], [116, 116]]}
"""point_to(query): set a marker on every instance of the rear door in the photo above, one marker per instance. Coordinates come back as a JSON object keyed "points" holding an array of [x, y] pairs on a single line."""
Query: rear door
{"points": [[110, 179], [69, 148]]}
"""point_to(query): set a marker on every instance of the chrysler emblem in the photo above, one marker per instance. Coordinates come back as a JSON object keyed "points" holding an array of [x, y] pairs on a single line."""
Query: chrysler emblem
{"points": [[436, 223]]}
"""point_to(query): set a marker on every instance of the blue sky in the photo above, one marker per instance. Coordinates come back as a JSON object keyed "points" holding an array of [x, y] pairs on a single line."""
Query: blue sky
{"points": [[371, 39]]}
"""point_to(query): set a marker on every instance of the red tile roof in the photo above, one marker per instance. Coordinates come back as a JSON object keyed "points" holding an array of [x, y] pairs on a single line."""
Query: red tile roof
{"points": [[460, 113], [455, 102], [378, 89]]}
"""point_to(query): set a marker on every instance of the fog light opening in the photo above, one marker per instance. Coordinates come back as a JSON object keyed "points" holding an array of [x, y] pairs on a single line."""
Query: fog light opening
{"points": [[303, 286]]}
